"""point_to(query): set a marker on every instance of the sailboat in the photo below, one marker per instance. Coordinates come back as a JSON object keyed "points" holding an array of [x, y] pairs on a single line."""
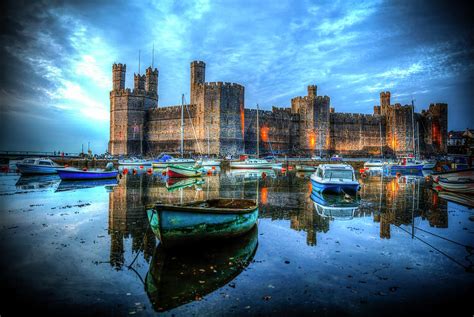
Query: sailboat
{"points": [[181, 167], [254, 163], [208, 161]]}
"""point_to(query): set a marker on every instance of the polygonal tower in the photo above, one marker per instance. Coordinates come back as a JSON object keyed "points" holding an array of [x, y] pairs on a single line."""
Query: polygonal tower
{"points": [[118, 76]]}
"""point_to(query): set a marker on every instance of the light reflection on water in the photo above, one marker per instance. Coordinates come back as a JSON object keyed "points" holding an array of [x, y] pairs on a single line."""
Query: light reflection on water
{"points": [[396, 242]]}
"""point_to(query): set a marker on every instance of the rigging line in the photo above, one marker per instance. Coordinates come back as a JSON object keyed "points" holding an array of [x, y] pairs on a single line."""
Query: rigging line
{"points": [[140, 250], [467, 268], [192, 126], [463, 245]]}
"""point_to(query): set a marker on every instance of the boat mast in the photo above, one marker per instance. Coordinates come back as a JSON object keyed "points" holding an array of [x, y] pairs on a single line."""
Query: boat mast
{"points": [[258, 135], [380, 133], [319, 139], [418, 137], [182, 125]]}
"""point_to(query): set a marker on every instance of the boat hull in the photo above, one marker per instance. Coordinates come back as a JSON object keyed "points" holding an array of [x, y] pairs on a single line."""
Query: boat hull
{"points": [[183, 226], [242, 165], [417, 167], [461, 186], [181, 171], [85, 175], [335, 188], [166, 164], [27, 169], [144, 163]]}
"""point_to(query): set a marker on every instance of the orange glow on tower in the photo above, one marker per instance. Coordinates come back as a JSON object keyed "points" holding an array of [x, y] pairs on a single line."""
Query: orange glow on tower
{"points": [[242, 120], [312, 140], [264, 133]]}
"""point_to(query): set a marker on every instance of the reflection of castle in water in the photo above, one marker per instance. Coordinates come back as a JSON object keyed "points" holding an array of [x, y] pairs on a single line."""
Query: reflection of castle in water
{"points": [[391, 201]]}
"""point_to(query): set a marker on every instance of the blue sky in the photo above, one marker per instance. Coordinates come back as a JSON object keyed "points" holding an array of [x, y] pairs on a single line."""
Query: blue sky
{"points": [[56, 59]]}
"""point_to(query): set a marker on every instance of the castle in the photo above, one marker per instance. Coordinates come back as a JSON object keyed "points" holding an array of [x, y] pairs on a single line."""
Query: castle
{"points": [[217, 122]]}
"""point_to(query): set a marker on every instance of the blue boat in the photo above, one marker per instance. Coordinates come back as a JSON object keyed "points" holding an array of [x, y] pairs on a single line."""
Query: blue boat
{"points": [[213, 219], [335, 178], [406, 164], [37, 166], [77, 174]]}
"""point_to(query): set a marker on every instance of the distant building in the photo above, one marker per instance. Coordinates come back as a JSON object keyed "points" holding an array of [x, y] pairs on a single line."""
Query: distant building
{"points": [[461, 142], [216, 115]]}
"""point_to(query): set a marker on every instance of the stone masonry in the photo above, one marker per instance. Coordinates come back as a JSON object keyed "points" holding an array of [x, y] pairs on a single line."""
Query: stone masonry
{"points": [[216, 120]]}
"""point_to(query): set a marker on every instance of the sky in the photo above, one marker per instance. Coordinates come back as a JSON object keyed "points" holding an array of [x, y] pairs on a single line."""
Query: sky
{"points": [[56, 58]]}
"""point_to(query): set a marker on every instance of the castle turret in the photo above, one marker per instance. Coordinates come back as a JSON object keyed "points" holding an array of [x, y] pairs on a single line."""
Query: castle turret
{"points": [[151, 85], [312, 91], [384, 102], [198, 76], [139, 82], [118, 76]]}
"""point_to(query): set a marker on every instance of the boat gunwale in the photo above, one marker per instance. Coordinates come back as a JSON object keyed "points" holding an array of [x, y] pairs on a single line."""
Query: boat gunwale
{"points": [[187, 207]]}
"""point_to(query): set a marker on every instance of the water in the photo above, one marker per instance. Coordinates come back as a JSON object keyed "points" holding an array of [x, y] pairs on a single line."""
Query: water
{"points": [[67, 248]]}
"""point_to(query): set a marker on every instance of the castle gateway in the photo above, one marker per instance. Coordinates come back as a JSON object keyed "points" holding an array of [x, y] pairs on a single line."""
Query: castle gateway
{"points": [[216, 119]]}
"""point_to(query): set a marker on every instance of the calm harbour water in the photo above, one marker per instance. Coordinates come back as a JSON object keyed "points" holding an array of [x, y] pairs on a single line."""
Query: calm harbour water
{"points": [[86, 249]]}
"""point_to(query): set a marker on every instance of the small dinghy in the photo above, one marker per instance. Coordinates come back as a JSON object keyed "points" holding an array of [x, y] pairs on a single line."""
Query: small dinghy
{"points": [[175, 224], [183, 171]]}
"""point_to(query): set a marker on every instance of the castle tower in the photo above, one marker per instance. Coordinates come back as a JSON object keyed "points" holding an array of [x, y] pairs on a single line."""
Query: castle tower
{"points": [[198, 76], [118, 76], [384, 102], [151, 85], [312, 91], [139, 82]]}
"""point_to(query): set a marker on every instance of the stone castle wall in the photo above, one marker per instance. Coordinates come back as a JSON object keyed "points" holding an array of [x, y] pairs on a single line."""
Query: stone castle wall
{"points": [[355, 133], [223, 126]]}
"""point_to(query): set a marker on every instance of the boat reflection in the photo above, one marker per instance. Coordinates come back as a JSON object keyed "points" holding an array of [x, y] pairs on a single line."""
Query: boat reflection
{"points": [[66, 185], [177, 277], [37, 182], [173, 184], [340, 207]]}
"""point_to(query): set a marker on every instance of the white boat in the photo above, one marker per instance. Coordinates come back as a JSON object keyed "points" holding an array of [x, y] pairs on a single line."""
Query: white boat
{"points": [[460, 185], [374, 164], [335, 178], [134, 161], [252, 163], [453, 175], [37, 165], [209, 162], [428, 164], [174, 161], [305, 168]]}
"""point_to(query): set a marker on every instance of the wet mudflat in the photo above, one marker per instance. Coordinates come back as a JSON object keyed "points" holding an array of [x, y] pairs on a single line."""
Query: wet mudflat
{"points": [[86, 248]]}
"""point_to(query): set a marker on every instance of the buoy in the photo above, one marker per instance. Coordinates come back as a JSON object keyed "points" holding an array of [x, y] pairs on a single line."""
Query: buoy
{"points": [[363, 175], [213, 167], [264, 175], [150, 171], [209, 172], [362, 170], [125, 171], [290, 168], [84, 169], [134, 171], [141, 166], [66, 165], [283, 169]]}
